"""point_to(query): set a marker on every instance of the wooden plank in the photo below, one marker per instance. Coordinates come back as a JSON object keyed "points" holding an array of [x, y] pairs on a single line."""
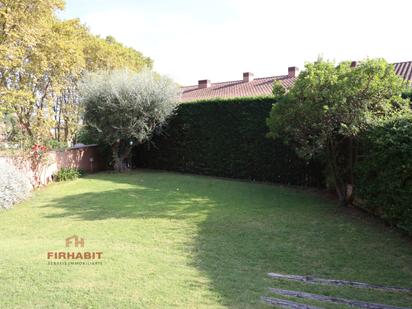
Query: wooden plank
{"points": [[310, 279], [286, 303], [335, 300]]}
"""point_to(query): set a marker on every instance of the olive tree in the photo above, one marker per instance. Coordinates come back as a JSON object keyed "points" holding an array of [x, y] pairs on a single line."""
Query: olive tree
{"points": [[126, 108], [330, 106]]}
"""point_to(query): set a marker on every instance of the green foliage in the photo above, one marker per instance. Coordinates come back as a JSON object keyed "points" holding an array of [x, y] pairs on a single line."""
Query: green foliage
{"points": [[407, 94], [126, 108], [89, 135], [278, 90], [68, 173], [227, 138], [55, 145], [329, 105], [384, 173], [41, 60], [9, 128]]}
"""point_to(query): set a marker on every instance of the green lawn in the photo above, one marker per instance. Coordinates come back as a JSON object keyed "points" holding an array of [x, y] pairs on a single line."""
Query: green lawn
{"points": [[180, 241]]}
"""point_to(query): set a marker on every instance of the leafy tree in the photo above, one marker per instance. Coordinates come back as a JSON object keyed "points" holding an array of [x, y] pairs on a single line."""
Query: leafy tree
{"points": [[24, 27], [108, 54], [329, 106], [95, 54], [278, 90], [41, 60], [126, 108]]}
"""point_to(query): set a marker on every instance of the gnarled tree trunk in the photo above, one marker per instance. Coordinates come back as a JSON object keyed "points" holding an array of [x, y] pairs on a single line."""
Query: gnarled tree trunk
{"points": [[121, 153]]}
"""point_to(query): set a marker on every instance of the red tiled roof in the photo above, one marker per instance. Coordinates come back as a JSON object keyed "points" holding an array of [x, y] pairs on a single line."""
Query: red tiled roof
{"points": [[260, 86], [404, 69], [238, 88]]}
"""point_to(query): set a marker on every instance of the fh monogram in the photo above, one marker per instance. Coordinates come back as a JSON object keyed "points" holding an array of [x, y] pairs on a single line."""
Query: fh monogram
{"points": [[76, 240]]}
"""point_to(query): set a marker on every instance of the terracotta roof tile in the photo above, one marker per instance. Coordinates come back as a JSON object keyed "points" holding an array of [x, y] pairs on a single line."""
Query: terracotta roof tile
{"points": [[260, 86], [404, 69], [239, 88]]}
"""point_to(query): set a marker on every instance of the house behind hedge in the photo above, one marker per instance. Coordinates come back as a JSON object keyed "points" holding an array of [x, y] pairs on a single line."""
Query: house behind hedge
{"points": [[249, 86], [223, 133]]}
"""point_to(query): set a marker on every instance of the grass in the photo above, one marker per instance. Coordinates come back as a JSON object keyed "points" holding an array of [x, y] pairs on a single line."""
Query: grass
{"points": [[181, 241]]}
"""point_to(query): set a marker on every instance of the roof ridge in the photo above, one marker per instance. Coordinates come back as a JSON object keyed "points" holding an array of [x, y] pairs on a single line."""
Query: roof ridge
{"points": [[239, 80], [262, 85]]}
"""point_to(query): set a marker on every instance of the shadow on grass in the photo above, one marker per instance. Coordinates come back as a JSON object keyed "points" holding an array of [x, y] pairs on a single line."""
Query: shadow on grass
{"points": [[246, 230], [129, 203]]}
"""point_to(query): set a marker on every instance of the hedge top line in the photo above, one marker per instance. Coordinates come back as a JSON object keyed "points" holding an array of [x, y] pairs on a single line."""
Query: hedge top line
{"points": [[265, 98]]}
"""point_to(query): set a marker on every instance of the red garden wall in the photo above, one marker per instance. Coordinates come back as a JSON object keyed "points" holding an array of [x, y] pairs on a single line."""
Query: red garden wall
{"points": [[86, 158]]}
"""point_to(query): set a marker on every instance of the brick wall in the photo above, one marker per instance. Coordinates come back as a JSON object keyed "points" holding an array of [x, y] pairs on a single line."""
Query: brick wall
{"points": [[86, 158]]}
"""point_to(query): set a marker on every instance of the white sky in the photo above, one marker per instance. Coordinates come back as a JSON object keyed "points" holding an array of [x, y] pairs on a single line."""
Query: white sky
{"points": [[221, 39]]}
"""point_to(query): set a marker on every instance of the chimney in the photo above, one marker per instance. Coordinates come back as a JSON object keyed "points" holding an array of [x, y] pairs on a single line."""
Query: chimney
{"points": [[205, 83], [293, 71], [353, 64], [248, 77]]}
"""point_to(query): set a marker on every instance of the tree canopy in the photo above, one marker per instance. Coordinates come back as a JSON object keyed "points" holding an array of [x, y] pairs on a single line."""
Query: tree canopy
{"points": [[126, 108], [41, 60], [329, 105]]}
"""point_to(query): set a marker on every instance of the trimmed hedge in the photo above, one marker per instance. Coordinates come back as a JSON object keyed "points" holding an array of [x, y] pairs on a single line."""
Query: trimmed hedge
{"points": [[227, 138], [384, 173]]}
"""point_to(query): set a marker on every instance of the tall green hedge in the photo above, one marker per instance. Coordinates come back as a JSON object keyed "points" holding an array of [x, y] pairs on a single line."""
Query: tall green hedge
{"points": [[227, 138], [384, 172]]}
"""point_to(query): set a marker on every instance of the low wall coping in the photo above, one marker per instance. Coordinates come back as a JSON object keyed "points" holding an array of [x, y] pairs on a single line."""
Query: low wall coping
{"points": [[76, 147]]}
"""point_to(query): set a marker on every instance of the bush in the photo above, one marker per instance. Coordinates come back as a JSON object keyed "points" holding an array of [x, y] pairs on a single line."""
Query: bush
{"points": [[384, 173], [55, 145], [227, 138], [88, 136], [68, 173], [407, 95], [14, 185]]}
